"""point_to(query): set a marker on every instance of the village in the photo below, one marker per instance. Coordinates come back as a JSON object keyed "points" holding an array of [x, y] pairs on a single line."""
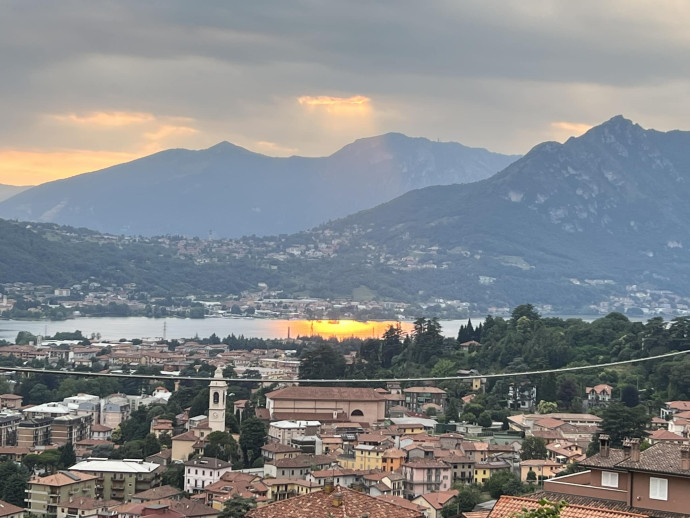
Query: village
{"points": [[380, 451]]}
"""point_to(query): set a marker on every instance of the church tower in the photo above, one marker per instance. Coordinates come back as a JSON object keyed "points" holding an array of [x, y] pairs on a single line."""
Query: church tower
{"points": [[216, 402]]}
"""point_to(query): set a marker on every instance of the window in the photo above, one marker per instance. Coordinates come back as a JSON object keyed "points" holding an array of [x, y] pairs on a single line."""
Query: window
{"points": [[609, 479], [658, 488]]}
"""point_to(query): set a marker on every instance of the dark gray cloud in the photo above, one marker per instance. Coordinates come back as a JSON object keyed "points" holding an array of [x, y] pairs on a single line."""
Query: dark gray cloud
{"points": [[490, 73]]}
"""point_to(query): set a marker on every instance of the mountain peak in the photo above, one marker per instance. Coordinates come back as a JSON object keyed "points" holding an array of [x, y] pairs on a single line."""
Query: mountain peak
{"points": [[228, 147]]}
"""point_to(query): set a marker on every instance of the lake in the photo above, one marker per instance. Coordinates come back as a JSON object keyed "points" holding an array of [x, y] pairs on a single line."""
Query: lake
{"points": [[112, 328]]}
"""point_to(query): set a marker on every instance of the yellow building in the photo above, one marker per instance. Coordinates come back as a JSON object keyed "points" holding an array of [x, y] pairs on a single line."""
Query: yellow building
{"points": [[368, 457], [542, 468], [484, 470]]}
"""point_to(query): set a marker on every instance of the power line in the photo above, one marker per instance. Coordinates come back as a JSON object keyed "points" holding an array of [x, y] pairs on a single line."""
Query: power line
{"points": [[161, 376]]}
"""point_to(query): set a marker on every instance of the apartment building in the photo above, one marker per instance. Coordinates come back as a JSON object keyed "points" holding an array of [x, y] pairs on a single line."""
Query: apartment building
{"points": [[71, 428], [120, 479], [34, 432], [45, 493]]}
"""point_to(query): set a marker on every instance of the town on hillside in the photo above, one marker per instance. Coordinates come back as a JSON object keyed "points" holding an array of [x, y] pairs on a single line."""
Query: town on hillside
{"points": [[256, 436]]}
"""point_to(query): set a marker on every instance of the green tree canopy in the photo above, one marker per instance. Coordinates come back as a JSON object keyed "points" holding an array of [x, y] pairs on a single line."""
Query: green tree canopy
{"points": [[533, 448]]}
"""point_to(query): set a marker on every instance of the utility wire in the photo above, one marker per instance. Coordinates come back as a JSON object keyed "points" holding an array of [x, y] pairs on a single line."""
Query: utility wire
{"points": [[161, 376]]}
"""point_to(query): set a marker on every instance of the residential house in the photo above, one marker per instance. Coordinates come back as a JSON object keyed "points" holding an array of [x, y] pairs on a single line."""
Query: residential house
{"points": [[483, 471], [433, 502], [201, 472], [393, 459], [232, 484], [420, 399], [655, 482], [283, 488], [425, 476], [43, 494], [11, 401], [86, 507], [597, 396], [283, 432], [673, 407], [297, 467], [542, 469], [275, 450], [8, 510]]}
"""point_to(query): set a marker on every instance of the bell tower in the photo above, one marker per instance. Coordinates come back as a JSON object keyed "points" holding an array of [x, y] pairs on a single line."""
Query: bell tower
{"points": [[216, 402]]}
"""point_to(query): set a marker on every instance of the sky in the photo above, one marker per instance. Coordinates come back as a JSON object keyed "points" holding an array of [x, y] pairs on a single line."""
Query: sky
{"points": [[89, 84]]}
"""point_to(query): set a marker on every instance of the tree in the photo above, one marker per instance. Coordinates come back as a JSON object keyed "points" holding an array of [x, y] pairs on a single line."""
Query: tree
{"points": [[252, 438], [67, 456], [321, 362], [451, 410], [223, 446], [546, 509], [484, 419], [533, 448], [630, 396], [620, 421], [503, 483], [531, 476], [468, 497], [237, 507], [546, 407], [174, 475]]}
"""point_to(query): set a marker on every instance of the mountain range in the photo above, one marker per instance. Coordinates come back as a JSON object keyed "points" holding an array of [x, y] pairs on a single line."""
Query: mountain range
{"points": [[600, 220], [604, 213], [227, 191]]}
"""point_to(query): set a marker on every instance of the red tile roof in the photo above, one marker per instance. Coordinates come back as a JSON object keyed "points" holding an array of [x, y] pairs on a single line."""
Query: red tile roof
{"points": [[327, 394], [321, 504], [508, 506]]}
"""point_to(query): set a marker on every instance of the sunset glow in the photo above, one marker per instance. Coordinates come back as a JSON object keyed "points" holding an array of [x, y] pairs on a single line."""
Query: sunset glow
{"points": [[571, 129], [107, 119], [356, 105], [343, 328], [32, 167]]}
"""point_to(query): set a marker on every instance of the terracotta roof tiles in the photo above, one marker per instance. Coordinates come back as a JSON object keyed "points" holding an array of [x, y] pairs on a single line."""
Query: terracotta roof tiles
{"points": [[507, 506], [321, 504]]}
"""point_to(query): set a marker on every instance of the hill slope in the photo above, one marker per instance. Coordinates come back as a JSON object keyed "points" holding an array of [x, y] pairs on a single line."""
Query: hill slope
{"points": [[227, 191], [7, 191], [565, 224]]}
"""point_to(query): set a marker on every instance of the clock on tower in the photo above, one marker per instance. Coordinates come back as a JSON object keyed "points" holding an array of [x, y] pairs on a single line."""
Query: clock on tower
{"points": [[216, 402]]}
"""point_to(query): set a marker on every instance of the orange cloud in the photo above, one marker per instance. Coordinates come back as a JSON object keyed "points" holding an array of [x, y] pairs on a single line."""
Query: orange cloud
{"points": [[32, 167], [572, 128], [273, 149], [356, 105], [106, 119]]}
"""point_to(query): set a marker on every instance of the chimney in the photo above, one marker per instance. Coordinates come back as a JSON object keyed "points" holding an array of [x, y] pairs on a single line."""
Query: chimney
{"points": [[685, 456], [635, 450], [337, 499], [627, 447], [604, 446], [328, 486]]}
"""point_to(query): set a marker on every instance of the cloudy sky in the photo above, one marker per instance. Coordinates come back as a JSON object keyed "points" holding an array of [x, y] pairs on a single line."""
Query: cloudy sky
{"points": [[89, 84]]}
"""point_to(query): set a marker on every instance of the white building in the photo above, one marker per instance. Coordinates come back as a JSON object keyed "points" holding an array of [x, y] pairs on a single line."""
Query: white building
{"points": [[284, 431], [199, 473]]}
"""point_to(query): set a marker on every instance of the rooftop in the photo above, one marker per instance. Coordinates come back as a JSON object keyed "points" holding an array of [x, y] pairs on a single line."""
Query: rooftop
{"points": [[508, 506], [341, 503]]}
